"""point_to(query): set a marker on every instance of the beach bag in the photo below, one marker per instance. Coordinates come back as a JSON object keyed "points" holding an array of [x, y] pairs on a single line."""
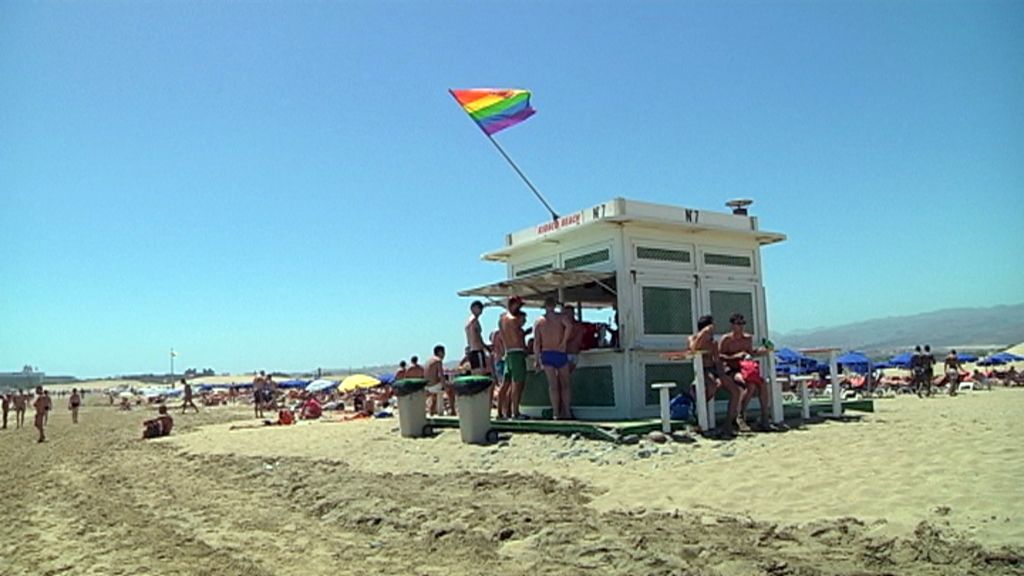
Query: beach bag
{"points": [[680, 407]]}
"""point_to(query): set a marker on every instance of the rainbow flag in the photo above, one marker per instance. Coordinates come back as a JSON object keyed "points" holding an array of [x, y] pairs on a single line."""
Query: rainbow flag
{"points": [[494, 109]]}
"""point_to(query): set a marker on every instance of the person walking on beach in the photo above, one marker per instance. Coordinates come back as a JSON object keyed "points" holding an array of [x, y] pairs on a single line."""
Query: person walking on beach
{"points": [[41, 404], [6, 407], [513, 335], [928, 359], [436, 382], [952, 369], [477, 351], [258, 384], [551, 335], [20, 401], [49, 407], [187, 397], [74, 401], [917, 372]]}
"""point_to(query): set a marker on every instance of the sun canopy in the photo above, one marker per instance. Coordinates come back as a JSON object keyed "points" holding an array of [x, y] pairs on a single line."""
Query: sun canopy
{"points": [[901, 360], [1006, 357], [320, 385], [357, 381], [293, 384], [590, 289], [855, 361]]}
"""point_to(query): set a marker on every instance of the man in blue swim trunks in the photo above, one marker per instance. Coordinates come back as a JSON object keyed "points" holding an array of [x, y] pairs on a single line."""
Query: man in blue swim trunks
{"points": [[551, 335]]}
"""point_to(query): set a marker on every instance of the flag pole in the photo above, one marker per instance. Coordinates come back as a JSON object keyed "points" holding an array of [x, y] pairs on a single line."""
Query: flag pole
{"points": [[554, 215]]}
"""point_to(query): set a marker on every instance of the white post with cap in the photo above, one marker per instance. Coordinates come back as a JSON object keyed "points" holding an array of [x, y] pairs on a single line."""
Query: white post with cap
{"points": [[698, 402], [837, 393], [663, 389]]}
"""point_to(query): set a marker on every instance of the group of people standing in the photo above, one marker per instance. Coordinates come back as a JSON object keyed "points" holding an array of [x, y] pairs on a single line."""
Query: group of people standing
{"points": [[506, 358], [922, 372], [42, 403]]}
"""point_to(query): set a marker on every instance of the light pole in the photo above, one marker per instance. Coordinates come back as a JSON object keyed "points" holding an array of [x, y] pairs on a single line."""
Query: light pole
{"points": [[173, 354]]}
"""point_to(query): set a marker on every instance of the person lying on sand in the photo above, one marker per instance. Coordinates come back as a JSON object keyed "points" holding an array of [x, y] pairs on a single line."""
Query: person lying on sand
{"points": [[159, 426]]}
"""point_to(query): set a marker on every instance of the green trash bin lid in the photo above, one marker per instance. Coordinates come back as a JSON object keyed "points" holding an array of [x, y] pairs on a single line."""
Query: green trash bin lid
{"points": [[407, 386], [469, 385]]}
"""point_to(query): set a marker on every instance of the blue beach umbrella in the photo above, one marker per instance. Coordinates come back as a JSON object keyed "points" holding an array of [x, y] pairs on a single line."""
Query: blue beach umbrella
{"points": [[855, 361]]}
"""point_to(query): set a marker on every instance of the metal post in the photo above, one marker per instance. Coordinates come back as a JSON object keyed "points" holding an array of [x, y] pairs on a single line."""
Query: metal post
{"points": [[698, 402], [837, 395], [777, 414], [805, 400]]}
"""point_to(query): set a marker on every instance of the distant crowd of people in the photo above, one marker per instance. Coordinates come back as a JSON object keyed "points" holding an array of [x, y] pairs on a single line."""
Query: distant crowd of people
{"points": [[19, 401]]}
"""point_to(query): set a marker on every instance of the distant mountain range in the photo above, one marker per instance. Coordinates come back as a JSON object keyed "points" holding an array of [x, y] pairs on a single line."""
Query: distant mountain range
{"points": [[968, 328]]}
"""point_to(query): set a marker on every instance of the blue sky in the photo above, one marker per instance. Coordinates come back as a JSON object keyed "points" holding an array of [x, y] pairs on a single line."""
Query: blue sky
{"points": [[289, 185]]}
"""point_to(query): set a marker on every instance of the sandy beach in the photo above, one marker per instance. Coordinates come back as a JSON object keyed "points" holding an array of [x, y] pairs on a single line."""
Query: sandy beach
{"points": [[920, 487]]}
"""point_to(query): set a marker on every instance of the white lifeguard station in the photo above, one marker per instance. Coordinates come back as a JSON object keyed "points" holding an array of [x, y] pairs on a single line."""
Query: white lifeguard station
{"points": [[650, 271]]}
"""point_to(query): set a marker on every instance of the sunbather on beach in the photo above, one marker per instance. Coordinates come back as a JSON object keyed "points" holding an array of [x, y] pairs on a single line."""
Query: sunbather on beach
{"points": [[476, 353], [703, 342], [551, 335], [400, 373], [159, 426], [437, 383], [734, 350], [311, 410], [41, 404], [513, 336]]}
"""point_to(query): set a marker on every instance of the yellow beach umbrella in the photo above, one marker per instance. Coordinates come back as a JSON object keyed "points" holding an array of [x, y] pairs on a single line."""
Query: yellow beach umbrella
{"points": [[357, 381]]}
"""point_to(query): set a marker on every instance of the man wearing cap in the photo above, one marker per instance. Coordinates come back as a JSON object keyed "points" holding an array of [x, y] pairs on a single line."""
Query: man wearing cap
{"points": [[514, 337]]}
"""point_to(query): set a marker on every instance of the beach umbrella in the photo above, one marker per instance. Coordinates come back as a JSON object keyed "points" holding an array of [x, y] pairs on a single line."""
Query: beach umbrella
{"points": [[320, 385], [991, 361], [855, 361], [386, 378], [1006, 357], [966, 357], [901, 360], [293, 384], [357, 381]]}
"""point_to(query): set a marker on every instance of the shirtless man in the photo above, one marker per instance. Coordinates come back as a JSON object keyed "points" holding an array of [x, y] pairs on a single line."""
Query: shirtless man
{"points": [[20, 404], [952, 378], [49, 407], [6, 401], [704, 343], [575, 337], [41, 404], [514, 338], [187, 397], [477, 351], [733, 349], [551, 335], [159, 426], [259, 382], [436, 382], [501, 391], [400, 374], [74, 402], [415, 370], [929, 367]]}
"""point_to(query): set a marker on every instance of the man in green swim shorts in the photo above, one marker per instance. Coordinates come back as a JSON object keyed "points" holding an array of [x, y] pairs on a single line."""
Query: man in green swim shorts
{"points": [[514, 337]]}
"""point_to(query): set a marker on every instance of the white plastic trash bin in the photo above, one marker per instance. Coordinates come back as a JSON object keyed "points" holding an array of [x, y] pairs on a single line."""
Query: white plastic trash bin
{"points": [[473, 399], [412, 407]]}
